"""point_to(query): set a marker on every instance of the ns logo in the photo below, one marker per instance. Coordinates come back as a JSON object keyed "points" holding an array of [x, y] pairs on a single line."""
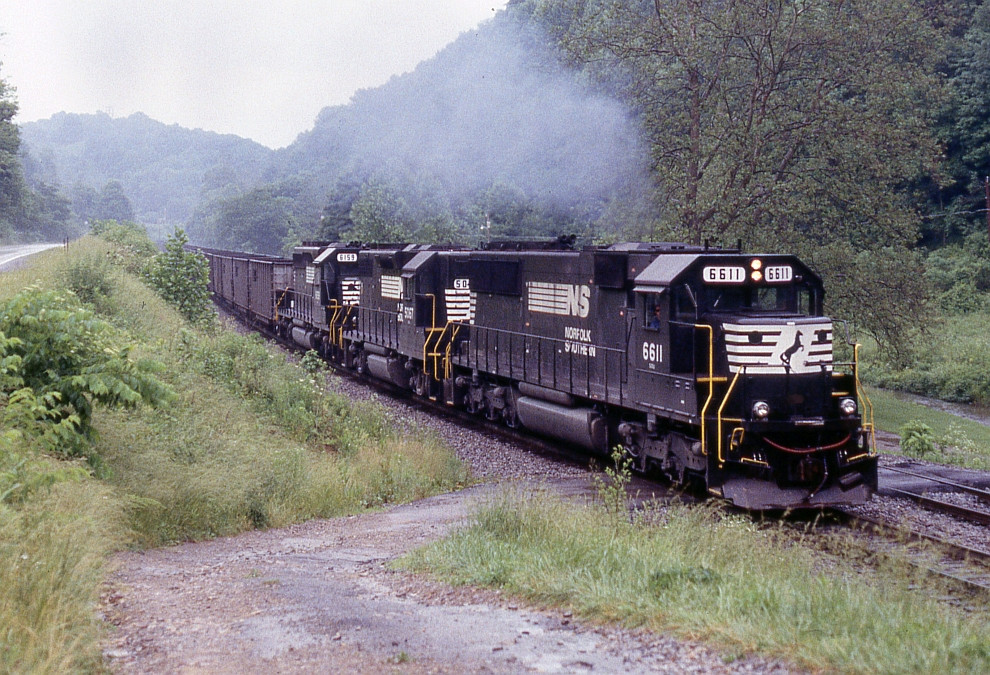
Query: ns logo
{"points": [[579, 301], [559, 299]]}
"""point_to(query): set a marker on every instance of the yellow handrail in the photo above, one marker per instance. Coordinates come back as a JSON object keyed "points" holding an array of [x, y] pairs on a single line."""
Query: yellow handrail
{"points": [[450, 344], [278, 303], [721, 409], [335, 306], [343, 322], [868, 423], [430, 332], [711, 383]]}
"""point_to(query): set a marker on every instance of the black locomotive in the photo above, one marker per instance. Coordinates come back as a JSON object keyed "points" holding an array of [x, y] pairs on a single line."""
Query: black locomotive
{"points": [[710, 365]]}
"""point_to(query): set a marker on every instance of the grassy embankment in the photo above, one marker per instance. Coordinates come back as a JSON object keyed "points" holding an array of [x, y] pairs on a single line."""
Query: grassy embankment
{"points": [[250, 439], [712, 577], [956, 440], [955, 367]]}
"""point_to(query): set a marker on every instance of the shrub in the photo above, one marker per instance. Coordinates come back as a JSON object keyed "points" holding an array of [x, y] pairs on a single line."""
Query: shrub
{"points": [[90, 277], [953, 366], [181, 277], [313, 364], [132, 247], [960, 274], [917, 439], [69, 360]]}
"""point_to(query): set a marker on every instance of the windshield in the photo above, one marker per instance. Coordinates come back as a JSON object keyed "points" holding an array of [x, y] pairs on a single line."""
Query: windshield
{"points": [[790, 299]]}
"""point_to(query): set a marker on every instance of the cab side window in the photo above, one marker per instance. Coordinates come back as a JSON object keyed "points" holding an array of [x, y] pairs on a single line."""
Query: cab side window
{"points": [[652, 311], [685, 304]]}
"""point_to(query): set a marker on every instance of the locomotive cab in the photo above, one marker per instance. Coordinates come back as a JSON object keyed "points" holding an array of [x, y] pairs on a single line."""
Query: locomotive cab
{"points": [[780, 422]]}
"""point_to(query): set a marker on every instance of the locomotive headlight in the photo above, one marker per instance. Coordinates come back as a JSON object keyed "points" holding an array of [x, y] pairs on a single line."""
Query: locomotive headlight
{"points": [[761, 410], [847, 406]]}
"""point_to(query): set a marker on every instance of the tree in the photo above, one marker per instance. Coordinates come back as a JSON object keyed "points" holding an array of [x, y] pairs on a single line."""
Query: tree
{"points": [[966, 129], [335, 221], [380, 214], [84, 200], [791, 124], [113, 204], [263, 220], [181, 278], [12, 186], [765, 113]]}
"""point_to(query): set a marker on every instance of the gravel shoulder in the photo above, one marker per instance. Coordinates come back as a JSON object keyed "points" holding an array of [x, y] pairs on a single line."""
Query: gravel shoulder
{"points": [[318, 597]]}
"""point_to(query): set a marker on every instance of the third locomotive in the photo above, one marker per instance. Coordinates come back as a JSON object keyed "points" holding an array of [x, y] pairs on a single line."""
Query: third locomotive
{"points": [[711, 366]]}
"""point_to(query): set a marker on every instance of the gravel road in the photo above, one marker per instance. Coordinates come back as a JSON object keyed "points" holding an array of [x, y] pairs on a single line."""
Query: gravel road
{"points": [[318, 597]]}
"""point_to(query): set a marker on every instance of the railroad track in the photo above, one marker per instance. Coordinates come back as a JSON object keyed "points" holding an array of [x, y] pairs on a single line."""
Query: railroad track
{"points": [[964, 567], [976, 515]]}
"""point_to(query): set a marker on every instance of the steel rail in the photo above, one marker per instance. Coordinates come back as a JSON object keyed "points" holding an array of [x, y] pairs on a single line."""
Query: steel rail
{"points": [[970, 567], [957, 510], [982, 494]]}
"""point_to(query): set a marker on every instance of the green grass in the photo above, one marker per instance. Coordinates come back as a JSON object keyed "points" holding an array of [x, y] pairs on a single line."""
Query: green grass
{"points": [[718, 579], [251, 440], [52, 552], [961, 442]]}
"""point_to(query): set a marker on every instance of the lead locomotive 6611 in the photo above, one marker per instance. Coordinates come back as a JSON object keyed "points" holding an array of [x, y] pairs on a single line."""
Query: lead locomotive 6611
{"points": [[712, 366]]}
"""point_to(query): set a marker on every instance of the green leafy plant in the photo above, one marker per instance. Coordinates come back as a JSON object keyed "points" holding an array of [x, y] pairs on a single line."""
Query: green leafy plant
{"points": [[181, 277], [58, 355], [917, 439], [90, 277], [132, 246], [612, 489], [312, 363], [955, 439]]}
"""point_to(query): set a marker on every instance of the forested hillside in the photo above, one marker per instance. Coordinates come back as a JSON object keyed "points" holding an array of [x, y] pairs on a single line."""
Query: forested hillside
{"points": [[163, 171], [493, 137]]}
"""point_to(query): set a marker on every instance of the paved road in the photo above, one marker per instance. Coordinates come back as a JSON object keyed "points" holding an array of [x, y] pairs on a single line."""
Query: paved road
{"points": [[9, 254]]}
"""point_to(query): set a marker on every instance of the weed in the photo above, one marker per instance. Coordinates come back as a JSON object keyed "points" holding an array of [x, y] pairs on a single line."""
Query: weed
{"points": [[313, 363], [91, 277], [612, 489], [917, 439]]}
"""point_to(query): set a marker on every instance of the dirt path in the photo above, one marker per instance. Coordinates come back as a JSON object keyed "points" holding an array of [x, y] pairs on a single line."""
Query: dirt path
{"points": [[318, 597]]}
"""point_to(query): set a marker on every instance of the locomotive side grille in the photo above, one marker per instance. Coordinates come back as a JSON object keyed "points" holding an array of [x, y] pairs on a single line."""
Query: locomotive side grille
{"points": [[351, 291], [548, 298], [461, 304], [769, 349], [391, 287]]}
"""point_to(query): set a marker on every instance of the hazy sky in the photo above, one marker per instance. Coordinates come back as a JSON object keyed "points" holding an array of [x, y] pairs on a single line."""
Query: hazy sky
{"points": [[261, 69]]}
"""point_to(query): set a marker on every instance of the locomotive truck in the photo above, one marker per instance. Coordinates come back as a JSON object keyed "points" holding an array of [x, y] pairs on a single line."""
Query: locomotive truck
{"points": [[711, 366]]}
